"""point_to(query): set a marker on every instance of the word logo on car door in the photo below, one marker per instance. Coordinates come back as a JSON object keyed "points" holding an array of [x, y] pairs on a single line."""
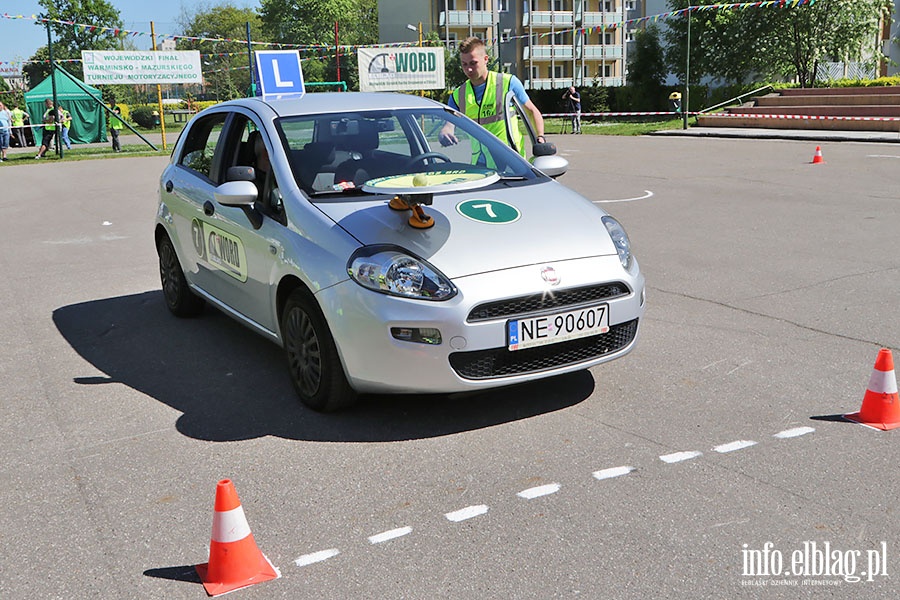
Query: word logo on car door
{"points": [[220, 249]]}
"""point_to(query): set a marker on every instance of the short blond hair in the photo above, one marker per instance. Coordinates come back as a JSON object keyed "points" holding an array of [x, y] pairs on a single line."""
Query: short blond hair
{"points": [[469, 44]]}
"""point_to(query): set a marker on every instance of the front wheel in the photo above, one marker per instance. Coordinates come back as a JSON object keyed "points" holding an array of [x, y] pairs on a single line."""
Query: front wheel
{"points": [[313, 361], [182, 302]]}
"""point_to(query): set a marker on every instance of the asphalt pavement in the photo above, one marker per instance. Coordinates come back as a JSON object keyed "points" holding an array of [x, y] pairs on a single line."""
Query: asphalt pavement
{"points": [[691, 468]]}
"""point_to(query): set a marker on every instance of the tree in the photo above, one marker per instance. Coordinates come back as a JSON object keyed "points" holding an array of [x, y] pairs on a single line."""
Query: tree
{"points": [[226, 63], [71, 40], [647, 70], [311, 23], [780, 41]]}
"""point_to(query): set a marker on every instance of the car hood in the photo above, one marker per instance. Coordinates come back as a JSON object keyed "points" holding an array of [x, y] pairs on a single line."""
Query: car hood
{"points": [[553, 224]]}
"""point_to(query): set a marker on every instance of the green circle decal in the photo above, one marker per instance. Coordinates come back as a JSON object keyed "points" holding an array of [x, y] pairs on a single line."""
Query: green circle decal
{"points": [[488, 211]]}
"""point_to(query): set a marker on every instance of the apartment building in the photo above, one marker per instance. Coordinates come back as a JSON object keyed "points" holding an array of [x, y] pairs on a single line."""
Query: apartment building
{"points": [[548, 44]]}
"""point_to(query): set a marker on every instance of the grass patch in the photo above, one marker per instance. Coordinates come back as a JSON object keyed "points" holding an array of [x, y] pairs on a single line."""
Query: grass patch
{"points": [[610, 127], [84, 153]]}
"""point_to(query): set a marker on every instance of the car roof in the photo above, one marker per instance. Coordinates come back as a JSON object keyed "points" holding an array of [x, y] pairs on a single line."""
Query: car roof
{"points": [[339, 102]]}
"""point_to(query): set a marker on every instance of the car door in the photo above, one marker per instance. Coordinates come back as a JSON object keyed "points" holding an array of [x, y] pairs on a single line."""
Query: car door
{"points": [[231, 260]]}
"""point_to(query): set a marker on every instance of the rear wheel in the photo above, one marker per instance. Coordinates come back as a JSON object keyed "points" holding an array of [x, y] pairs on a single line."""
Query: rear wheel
{"points": [[182, 302], [313, 361]]}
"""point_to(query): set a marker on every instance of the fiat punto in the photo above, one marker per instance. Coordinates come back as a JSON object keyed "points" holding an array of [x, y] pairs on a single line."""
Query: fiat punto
{"points": [[342, 227]]}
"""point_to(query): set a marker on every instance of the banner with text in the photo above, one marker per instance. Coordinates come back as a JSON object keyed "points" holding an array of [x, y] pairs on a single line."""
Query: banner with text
{"points": [[138, 67], [392, 69]]}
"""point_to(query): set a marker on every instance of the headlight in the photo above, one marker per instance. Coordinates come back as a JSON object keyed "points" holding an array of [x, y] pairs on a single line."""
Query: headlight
{"points": [[391, 270], [620, 241]]}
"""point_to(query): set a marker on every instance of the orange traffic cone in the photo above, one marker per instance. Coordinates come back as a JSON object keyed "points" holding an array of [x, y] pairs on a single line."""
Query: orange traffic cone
{"points": [[234, 560], [817, 158], [880, 405]]}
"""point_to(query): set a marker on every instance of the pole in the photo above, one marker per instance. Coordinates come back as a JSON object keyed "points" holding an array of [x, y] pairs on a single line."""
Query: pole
{"points": [[162, 114], [337, 51], [250, 62], [58, 125], [687, 74], [422, 92]]}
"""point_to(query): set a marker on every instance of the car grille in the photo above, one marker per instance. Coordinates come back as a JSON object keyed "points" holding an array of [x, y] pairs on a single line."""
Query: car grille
{"points": [[523, 305], [501, 362]]}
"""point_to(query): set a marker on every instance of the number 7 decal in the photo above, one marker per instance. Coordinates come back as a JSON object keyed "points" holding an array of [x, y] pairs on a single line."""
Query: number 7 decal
{"points": [[488, 208]]}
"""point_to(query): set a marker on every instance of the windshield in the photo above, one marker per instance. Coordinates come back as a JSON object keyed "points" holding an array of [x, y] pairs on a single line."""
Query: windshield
{"points": [[335, 152]]}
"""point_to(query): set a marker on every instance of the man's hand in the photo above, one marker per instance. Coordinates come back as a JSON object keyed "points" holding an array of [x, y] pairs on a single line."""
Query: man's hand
{"points": [[446, 136]]}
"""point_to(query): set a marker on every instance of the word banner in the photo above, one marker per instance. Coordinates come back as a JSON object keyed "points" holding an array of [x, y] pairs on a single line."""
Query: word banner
{"points": [[139, 67], [393, 69]]}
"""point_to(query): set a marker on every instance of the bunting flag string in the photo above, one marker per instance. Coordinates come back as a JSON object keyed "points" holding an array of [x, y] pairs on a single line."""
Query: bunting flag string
{"points": [[347, 49]]}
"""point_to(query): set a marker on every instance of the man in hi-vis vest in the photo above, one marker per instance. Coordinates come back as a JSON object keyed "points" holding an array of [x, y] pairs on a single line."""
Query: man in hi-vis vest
{"points": [[481, 99]]}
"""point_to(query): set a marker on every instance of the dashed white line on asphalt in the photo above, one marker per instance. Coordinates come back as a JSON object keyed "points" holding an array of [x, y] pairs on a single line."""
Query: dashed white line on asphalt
{"points": [[308, 559], [466, 513], [537, 492], [647, 194], [795, 432], [680, 456], [389, 535], [613, 472], [732, 446]]}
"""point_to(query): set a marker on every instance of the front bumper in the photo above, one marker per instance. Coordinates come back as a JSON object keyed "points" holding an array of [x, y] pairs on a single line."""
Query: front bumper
{"points": [[473, 353]]}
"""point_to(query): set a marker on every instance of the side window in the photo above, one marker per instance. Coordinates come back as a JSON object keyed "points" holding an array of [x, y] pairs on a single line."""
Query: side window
{"points": [[200, 145]]}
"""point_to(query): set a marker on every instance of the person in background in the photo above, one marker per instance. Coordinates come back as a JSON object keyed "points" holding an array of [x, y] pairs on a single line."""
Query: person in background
{"points": [[51, 118], [18, 123], [482, 96], [5, 130], [66, 124], [574, 100], [115, 125]]}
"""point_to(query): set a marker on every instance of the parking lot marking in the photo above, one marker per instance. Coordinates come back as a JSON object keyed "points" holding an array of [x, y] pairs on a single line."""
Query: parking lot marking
{"points": [[795, 432], [647, 194], [680, 456], [732, 446], [308, 559], [389, 535], [466, 513], [612, 472], [537, 492]]}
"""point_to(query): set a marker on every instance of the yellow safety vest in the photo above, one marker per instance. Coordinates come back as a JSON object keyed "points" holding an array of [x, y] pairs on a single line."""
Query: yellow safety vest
{"points": [[49, 121], [490, 114], [18, 117], [115, 122]]}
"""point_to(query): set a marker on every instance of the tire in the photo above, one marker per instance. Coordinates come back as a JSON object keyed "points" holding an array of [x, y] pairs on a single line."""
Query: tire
{"points": [[182, 302], [313, 361]]}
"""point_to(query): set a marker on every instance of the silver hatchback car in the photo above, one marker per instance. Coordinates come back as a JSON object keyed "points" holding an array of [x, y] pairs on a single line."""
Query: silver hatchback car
{"points": [[339, 227]]}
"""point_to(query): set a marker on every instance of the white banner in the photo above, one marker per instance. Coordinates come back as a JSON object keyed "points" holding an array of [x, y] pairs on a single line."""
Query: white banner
{"points": [[137, 67], [10, 70], [392, 69]]}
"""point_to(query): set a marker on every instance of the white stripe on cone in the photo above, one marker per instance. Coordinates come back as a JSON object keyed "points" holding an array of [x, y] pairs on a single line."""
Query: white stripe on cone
{"points": [[230, 526], [883, 382]]}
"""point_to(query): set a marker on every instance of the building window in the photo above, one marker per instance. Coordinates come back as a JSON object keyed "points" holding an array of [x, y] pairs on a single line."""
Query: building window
{"points": [[557, 72], [535, 72], [608, 38], [607, 6], [630, 5], [607, 70], [503, 5], [557, 5], [629, 35]]}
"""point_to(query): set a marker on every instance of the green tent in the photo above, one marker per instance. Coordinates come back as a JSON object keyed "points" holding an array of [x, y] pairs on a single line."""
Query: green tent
{"points": [[88, 117]]}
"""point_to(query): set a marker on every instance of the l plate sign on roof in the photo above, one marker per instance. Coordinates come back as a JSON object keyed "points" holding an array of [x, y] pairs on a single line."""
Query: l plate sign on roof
{"points": [[280, 74]]}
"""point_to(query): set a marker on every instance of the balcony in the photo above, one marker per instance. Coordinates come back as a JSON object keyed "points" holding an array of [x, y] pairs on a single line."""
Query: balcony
{"points": [[564, 82], [460, 18], [566, 19], [592, 52]]}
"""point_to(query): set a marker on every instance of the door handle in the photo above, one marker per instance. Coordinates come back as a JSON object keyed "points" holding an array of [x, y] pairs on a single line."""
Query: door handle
{"points": [[208, 208], [170, 186]]}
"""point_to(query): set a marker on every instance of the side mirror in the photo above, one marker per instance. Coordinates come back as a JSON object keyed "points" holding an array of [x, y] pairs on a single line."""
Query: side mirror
{"points": [[550, 165], [236, 193]]}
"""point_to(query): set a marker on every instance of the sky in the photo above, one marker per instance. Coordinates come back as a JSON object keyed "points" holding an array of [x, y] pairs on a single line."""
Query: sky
{"points": [[20, 38]]}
